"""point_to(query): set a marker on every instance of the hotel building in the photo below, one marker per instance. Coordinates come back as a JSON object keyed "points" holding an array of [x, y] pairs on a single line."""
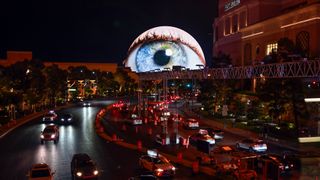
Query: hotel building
{"points": [[248, 30]]}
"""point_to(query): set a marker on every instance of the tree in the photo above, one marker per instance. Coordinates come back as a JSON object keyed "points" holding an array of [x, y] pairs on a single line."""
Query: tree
{"points": [[127, 84], [221, 60], [56, 83]]}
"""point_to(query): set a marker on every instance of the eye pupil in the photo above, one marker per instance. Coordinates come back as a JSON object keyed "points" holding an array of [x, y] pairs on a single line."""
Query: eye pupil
{"points": [[162, 57]]}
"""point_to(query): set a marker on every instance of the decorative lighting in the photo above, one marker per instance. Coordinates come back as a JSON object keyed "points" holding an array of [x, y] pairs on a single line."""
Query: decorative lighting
{"points": [[253, 34], [299, 22]]}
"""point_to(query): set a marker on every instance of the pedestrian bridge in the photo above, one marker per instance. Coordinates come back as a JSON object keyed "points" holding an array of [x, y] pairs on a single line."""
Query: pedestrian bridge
{"points": [[297, 69]]}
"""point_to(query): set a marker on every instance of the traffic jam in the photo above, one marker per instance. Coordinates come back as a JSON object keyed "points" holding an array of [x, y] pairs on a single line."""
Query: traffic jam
{"points": [[162, 129]]}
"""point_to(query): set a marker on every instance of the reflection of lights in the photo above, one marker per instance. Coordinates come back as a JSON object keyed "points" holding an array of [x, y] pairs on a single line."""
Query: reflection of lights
{"points": [[169, 52], [79, 174], [95, 172], [312, 99]]}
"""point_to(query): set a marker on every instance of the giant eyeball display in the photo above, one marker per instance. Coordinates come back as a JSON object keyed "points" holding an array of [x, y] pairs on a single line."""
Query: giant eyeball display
{"points": [[163, 47]]}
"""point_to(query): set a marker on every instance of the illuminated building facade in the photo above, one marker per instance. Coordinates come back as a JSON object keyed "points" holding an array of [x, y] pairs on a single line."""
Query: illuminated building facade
{"points": [[248, 30]]}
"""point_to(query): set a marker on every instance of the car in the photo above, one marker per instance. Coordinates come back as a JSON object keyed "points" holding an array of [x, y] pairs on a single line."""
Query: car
{"points": [[245, 174], [134, 120], [202, 137], [284, 165], [293, 158], [224, 149], [161, 139], [82, 167], [50, 133], [50, 117], [191, 123], [41, 171], [216, 133], [86, 104], [157, 163], [253, 145], [66, 119]]}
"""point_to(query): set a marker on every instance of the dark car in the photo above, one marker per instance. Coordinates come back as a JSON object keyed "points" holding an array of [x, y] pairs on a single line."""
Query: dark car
{"points": [[86, 104], [284, 165], [82, 167], [66, 119]]}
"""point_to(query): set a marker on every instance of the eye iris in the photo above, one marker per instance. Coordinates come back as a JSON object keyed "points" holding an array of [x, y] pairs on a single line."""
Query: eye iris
{"points": [[162, 57]]}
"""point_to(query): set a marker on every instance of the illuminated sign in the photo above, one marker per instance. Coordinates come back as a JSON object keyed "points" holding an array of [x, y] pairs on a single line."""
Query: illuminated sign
{"points": [[231, 4], [163, 48]]}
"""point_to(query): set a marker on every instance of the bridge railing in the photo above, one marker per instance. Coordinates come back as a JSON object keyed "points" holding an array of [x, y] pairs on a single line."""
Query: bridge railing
{"points": [[297, 69]]}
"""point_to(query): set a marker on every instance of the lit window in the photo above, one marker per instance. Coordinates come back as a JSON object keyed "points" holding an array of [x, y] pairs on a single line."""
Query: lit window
{"points": [[273, 47]]}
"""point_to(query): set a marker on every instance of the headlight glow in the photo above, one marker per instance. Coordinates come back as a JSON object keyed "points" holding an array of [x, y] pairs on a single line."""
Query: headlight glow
{"points": [[41, 136], [69, 119], [79, 174], [159, 170], [173, 168], [53, 135], [95, 172]]}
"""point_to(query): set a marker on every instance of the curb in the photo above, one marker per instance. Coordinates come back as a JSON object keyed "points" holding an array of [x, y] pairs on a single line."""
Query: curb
{"points": [[120, 142]]}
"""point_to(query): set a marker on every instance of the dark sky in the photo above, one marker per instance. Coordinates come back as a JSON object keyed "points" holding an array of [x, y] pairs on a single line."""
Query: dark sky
{"points": [[97, 30]]}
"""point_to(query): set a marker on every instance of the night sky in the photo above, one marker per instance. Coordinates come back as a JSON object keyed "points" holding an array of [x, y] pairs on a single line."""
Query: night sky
{"points": [[97, 30]]}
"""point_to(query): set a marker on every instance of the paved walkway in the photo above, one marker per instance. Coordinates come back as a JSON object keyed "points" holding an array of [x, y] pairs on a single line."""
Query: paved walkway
{"points": [[295, 146]]}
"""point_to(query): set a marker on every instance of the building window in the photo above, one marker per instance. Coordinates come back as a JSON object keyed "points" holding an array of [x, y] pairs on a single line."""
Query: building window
{"points": [[302, 42], [247, 54], [235, 23], [227, 26], [273, 47]]}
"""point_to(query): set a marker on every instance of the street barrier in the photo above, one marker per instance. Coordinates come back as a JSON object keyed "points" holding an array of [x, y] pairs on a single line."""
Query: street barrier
{"points": [[124, 127], [114, 137], [179, 157], [139, 145]]}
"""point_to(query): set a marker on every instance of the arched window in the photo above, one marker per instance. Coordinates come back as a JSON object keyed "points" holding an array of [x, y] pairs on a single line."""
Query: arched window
{"points": [[302, 43], [247, 58]]}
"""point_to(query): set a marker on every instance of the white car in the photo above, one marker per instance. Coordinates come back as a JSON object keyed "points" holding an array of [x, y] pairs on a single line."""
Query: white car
{"points": [[202, 137], [50, 117], [191, 124], [40, 171], [253, 145], [135, 120], [158, 164]]}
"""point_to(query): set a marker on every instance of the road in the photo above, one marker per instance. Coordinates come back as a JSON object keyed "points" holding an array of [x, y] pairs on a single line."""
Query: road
{"points": [[21, 148]]}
